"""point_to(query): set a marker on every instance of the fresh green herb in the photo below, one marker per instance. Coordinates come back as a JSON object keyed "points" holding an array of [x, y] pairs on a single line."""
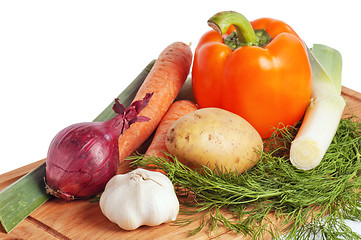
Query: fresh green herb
{"points": [[306, 202]]}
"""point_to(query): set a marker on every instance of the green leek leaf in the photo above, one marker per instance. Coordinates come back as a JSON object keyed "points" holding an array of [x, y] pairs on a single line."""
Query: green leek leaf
{"points": [[331, 61]]}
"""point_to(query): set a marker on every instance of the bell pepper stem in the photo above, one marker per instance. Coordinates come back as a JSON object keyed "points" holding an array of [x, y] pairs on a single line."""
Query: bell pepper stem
{"points": [[223, 20]]}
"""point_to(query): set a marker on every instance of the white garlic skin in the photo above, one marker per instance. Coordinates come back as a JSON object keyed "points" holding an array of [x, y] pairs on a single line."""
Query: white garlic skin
{"points": [[140, 197]]}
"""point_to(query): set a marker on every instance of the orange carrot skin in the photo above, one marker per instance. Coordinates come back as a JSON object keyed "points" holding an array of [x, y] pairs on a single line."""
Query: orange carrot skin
{"points": [[164, 80], [175, 111]]}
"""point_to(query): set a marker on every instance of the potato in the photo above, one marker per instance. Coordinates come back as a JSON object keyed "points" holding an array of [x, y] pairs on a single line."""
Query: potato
{"points": [[213, 136]]}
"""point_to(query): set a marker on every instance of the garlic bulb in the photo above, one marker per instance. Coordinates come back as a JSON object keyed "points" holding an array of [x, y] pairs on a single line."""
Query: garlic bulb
{"points": [[140, 197]]}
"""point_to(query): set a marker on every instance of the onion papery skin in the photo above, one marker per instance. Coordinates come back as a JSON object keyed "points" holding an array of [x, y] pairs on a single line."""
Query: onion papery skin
{"points": [[83, 157], [81, 160]]}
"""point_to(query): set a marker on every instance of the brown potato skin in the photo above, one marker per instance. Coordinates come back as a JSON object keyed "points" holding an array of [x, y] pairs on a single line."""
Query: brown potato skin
{"points": [[214, 137]]}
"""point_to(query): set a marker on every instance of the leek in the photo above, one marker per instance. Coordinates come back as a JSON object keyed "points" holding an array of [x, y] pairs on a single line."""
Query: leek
{"points": [[324, 113], [21, 198]]}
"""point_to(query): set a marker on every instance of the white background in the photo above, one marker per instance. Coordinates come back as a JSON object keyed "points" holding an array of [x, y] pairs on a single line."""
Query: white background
{"points": [[63, 62]]}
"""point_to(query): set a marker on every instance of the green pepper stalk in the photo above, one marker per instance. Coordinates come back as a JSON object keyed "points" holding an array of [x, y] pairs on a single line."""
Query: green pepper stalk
{"points": [[244, 35]]}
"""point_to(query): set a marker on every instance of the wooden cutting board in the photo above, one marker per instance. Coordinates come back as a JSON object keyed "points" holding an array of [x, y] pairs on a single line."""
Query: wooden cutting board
{"points": [[83, 220]]}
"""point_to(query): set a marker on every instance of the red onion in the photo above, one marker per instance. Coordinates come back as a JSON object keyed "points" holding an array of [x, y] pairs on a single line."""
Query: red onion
{"points": [[83, 157]]}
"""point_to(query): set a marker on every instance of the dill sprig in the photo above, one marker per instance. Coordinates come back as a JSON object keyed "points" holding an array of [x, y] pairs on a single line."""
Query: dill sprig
{"points": [[306, 202]]}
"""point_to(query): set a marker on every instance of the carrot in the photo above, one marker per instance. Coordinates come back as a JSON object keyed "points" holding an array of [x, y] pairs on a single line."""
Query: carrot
{"points": [[165, 81], [176, 110]]}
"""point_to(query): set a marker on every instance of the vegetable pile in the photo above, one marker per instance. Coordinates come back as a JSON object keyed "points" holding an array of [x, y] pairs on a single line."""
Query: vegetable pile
{"points": [[260, 147], [303, 203]]}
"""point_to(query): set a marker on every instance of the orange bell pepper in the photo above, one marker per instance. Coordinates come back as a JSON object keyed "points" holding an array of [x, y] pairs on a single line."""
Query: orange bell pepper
{"points": [[260, 71]]}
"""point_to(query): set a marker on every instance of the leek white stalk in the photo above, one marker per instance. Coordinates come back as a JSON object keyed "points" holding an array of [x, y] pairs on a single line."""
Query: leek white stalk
{"points": [[324, 113]]}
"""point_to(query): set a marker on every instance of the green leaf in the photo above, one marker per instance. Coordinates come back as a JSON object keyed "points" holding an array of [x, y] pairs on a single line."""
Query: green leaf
{"points": [[331, 61], [322, 85]]}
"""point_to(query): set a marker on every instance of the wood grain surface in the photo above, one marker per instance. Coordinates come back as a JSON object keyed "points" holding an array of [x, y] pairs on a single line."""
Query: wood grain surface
{"points": [[83, 219]]}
